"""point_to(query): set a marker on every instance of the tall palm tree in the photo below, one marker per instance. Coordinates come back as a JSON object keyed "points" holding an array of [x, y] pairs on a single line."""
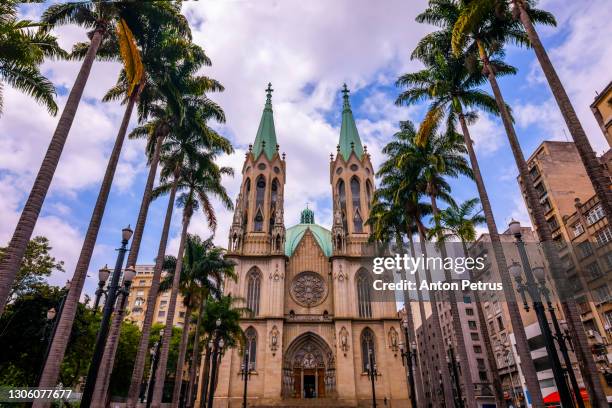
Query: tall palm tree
{"points": [[474, 11], [99, 17], [451, 83], [178, 149], [230, 315], [169, 65], [483, 39], [23, 47], [197, 182], [441, 156], [212, 263], [459, 222]]}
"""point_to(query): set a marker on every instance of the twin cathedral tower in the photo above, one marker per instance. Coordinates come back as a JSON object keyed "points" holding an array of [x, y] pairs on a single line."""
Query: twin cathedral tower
{"points": [[314, 317]]}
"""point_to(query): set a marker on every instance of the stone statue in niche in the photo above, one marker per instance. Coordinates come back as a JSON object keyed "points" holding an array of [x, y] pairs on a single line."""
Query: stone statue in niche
{"points": [[344, 345], [274, 333], [393, 340]]}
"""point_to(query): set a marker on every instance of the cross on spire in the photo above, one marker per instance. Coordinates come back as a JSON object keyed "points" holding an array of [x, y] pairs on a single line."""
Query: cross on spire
{"points": [[345, 91], [269, 90]]}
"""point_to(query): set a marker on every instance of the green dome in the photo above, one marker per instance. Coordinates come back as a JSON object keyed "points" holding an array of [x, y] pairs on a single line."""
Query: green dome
{"points": [[321, 235], [307, 216]]}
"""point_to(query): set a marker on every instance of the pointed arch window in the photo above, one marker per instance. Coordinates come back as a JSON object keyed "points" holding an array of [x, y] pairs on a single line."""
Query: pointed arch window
{"points": [[259, 221], [369, 193], [260, 190], [251, 346], [247, 200], [253, 289], [273, 200], [364, 293], [367, 349], [342, 198], [356, 200]]}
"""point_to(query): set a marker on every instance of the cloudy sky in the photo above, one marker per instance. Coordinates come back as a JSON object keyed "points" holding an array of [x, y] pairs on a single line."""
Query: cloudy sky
{"points": [[307, 50]]}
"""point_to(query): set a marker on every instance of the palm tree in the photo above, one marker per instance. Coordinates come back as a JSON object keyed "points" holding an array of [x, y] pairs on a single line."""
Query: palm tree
{"points": [[179, 149], [23, 47], [100, 17], [212, 263], [230, 331], [439, 156], [484, 37], [459, 222], [451, 84], [197, 182], [524, 10]]}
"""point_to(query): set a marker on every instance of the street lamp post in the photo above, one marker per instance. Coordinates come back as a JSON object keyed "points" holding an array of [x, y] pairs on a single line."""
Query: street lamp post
{"points": [[505, 349], [111, 296], [531, 287], [452, 363], [561, 339], [372, 373], [53, 315], [103, 275], [154, 360], [407, 354], [246, 373], [217, 344]]}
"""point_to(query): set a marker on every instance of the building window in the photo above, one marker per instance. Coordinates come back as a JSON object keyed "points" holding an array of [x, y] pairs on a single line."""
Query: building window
{"points": [[467, 299], [182, 315], [342, 199], [469, 311], [367, 348], [356, 199], [474, 336], [534, 172], [483, 376], [369, 193], [603, 236], [161, 313], [540, 189], [577, 229], [601, 294], [163, 303], [595, 214], [609, 259], [141, 282], [586, 249], [251, 346], [260, 190], [500, 323], [364, 298], [253, 289], [553, 223], [546, 206], [593, 270], [140, 293], [472, 324], [478, 349]]}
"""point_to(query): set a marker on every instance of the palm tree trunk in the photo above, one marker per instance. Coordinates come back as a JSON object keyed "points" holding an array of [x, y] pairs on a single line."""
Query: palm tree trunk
{"points": [[108, 359], [204, 379], [594, 169], [60, 340], [445, 379], [195, 359], [11, 262], [500, 259], [163, 355], [418, 379], [570, 310], [466, 373], [180, 362], [143, 345]]}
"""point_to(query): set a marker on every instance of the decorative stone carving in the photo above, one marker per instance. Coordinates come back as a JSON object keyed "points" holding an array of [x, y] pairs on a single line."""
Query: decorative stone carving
{"points": [[344, 344], [393, 340], [274, 333], [308, 289]]}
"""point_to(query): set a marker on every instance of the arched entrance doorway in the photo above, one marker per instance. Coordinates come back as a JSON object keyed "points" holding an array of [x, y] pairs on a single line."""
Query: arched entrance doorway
{"points": [[309, 368]]}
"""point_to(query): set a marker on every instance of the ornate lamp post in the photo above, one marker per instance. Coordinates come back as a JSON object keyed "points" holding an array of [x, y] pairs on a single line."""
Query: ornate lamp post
{"points": [[103, 275], [531, 287], [154, 359], [372, 374], [452, 366], [217, 345], [246, 373], [111, 296], [407, 354]]}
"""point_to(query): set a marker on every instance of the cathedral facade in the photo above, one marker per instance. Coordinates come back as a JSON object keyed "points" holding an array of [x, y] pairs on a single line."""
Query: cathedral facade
{"points": [[315, 321]]}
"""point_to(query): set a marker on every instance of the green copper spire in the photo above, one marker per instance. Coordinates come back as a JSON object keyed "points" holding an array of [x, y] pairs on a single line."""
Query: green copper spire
{"points": [[265, 141], [349, 137]]}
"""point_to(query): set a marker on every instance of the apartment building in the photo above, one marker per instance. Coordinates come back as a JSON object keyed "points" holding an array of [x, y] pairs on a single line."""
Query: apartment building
{"points": [[137, 300], [602, 109]]}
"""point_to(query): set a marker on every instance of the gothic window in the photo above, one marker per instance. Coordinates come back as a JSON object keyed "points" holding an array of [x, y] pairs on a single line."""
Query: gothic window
{"points": [[247, 196], [367, 348], [356, 200], [273, 200], [253, 289], [260, 190], [342, 199], [369, 193], [251, 346], [364, 298]]}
